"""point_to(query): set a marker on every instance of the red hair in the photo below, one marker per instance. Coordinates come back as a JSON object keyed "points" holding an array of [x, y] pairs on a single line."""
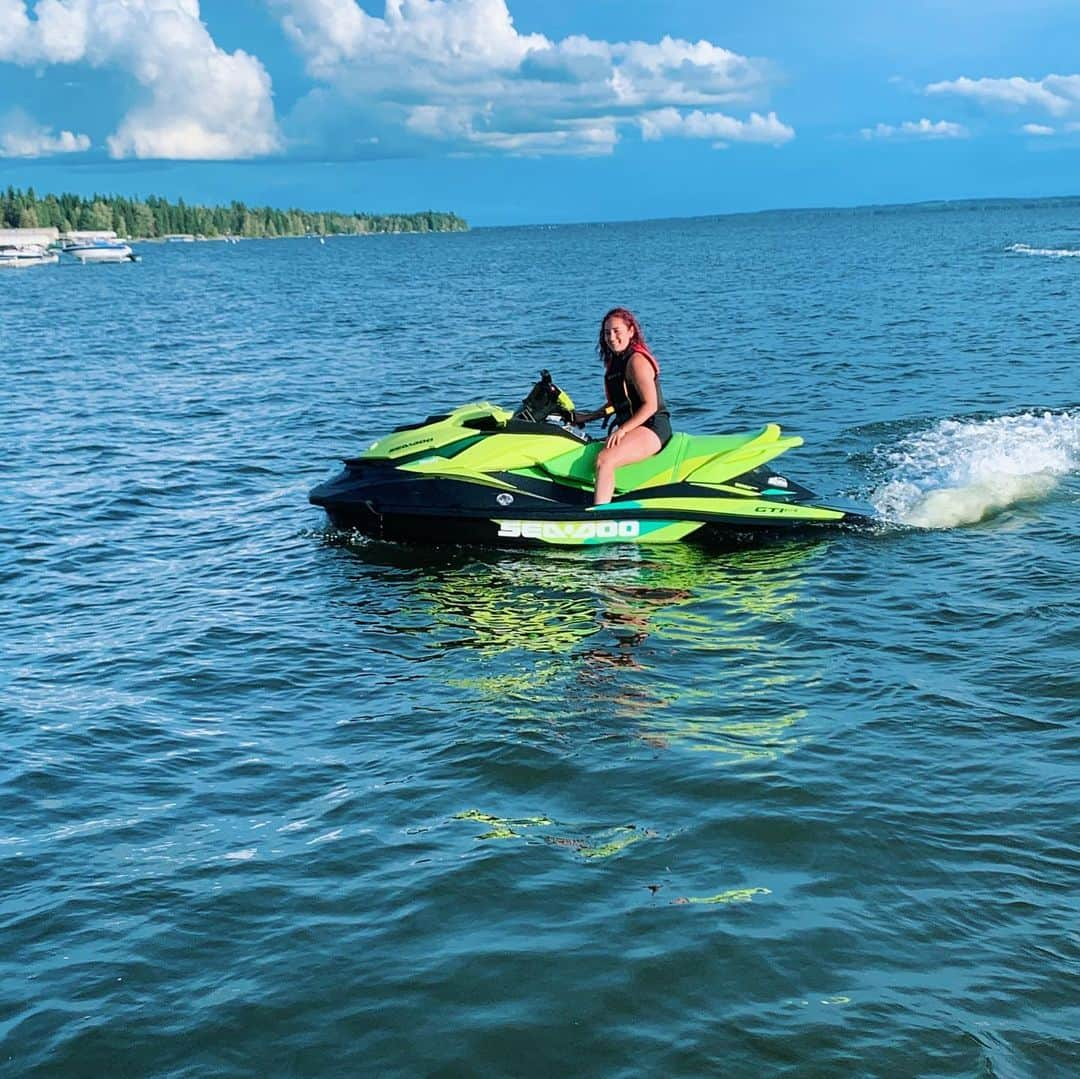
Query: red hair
{"points": [[637, 338]]}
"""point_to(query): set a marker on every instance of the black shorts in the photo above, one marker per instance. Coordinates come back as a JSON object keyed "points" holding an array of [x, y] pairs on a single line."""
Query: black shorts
{"points": [[660, 425]]}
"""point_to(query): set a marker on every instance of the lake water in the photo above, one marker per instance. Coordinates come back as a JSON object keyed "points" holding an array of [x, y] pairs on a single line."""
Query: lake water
{"points": [[274, 802]]}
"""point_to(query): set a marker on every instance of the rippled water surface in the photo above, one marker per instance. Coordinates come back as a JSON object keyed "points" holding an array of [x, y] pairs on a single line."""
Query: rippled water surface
{"points": [[277, 802]]}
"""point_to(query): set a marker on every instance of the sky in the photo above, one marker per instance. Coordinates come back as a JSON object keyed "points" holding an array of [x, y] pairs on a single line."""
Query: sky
{"points": [[542, 111]]}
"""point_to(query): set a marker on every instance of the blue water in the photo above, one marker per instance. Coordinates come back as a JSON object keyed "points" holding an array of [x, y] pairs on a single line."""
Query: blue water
{"points": [[275, 802]]}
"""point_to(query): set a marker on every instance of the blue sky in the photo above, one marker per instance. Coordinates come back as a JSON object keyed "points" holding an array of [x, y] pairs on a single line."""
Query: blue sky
{"points": [[528, 111]]}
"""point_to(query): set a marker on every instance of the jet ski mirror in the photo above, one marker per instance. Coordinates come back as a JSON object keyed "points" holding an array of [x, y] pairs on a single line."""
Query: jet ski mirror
{"points": [[545, 399]]}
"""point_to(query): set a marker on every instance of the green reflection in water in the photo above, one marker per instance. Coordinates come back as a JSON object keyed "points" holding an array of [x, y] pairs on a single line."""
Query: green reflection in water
{"points": [[711, 671], [736, 895], [501, 828], [540, 602], [510, 684], [604, 843], [680, 647]]}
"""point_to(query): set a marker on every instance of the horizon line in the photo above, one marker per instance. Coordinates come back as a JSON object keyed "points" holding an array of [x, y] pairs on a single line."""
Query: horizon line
{"points": [[860, 207]]}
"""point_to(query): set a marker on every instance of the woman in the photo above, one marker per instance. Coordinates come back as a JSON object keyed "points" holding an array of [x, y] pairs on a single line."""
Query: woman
{"points": [[632, 386]]}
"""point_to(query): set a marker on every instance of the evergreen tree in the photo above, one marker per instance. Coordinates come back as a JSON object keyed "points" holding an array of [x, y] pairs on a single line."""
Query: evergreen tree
{"points": [[154, 216]]}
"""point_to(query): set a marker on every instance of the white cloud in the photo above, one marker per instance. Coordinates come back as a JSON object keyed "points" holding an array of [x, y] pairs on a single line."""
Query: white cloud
{"points": [[681, 73], [921, 129], [582, 138], [662, 123], [201, 102], [460, 125], [20, 136], [1037, 129], [461, 39], [1056, 94], [459, 72]]}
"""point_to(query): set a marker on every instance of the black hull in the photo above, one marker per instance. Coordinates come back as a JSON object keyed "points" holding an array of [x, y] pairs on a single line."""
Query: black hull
{"points": [[455, 529], [383, 503]]}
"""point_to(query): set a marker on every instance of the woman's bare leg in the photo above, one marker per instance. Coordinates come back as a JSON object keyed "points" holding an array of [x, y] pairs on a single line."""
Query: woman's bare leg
{"points": [[638, 444]]}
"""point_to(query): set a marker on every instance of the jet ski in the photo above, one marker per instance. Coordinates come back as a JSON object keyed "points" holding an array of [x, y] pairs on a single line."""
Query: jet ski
{"points": [[484, 475]]}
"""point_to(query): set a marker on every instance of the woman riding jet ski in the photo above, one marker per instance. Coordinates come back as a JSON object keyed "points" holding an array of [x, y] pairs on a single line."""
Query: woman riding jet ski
{"points": [[632, 388], [483, 475]]}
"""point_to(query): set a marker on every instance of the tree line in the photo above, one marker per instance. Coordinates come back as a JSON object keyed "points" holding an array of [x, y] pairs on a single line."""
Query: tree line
{"points": [[154, 216]]}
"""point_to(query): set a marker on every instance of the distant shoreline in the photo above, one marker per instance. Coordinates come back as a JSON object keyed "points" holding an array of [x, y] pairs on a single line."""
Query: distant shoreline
{"points": [[937, 205], [223, 238], [155, 218], [868, 209]]}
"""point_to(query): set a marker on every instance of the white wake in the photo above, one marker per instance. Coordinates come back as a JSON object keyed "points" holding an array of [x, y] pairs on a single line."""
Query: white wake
{"points": [[1047, 252], [962, 471]]}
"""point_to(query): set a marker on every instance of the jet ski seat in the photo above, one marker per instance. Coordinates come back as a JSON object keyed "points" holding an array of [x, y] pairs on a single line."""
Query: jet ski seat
{"points": [[579, 466], [681, 456]]}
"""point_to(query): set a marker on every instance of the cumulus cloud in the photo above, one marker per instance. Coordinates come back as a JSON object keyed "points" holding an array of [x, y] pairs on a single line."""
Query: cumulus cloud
{"points": [[1056, 94], [430, 39], [713, 125], [917, 129], [200, 101], [20, 136], [459, 73], [465, 125], [1037, 129], [580, 138]]}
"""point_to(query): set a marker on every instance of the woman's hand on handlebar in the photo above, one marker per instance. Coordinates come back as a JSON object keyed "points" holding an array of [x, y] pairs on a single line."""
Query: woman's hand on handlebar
{"points": [[580, 417]]}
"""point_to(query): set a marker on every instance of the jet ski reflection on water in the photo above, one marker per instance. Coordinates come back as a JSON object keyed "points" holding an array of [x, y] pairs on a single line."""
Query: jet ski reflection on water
{"points": [[483, 475]]}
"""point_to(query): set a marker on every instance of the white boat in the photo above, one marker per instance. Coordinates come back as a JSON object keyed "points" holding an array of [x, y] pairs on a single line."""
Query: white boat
{"points": [[97, 247], [100, 251], [28, 247], [16, 256]]}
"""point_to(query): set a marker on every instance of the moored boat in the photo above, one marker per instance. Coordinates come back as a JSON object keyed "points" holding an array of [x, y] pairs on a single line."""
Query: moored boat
{"points": [[101, 246], [18, 256], [28, 247]]}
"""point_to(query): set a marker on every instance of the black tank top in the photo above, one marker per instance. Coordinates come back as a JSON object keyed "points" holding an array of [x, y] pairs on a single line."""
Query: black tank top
{"points": [[622, 393]]}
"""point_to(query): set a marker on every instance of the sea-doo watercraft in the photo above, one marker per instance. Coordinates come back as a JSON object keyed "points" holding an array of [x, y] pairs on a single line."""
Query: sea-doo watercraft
{"points": [[482, 474]]}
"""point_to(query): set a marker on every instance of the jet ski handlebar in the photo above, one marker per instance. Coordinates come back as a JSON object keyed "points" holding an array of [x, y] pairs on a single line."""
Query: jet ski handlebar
{"points": [[545, 399]]}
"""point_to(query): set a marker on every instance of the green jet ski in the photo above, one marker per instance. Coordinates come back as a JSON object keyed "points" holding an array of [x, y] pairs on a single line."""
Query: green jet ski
{"points": [[484, 475]]}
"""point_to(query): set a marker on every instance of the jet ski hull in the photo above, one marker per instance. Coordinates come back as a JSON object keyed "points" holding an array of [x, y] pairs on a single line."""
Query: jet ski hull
{"points": [[378, 502]]}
